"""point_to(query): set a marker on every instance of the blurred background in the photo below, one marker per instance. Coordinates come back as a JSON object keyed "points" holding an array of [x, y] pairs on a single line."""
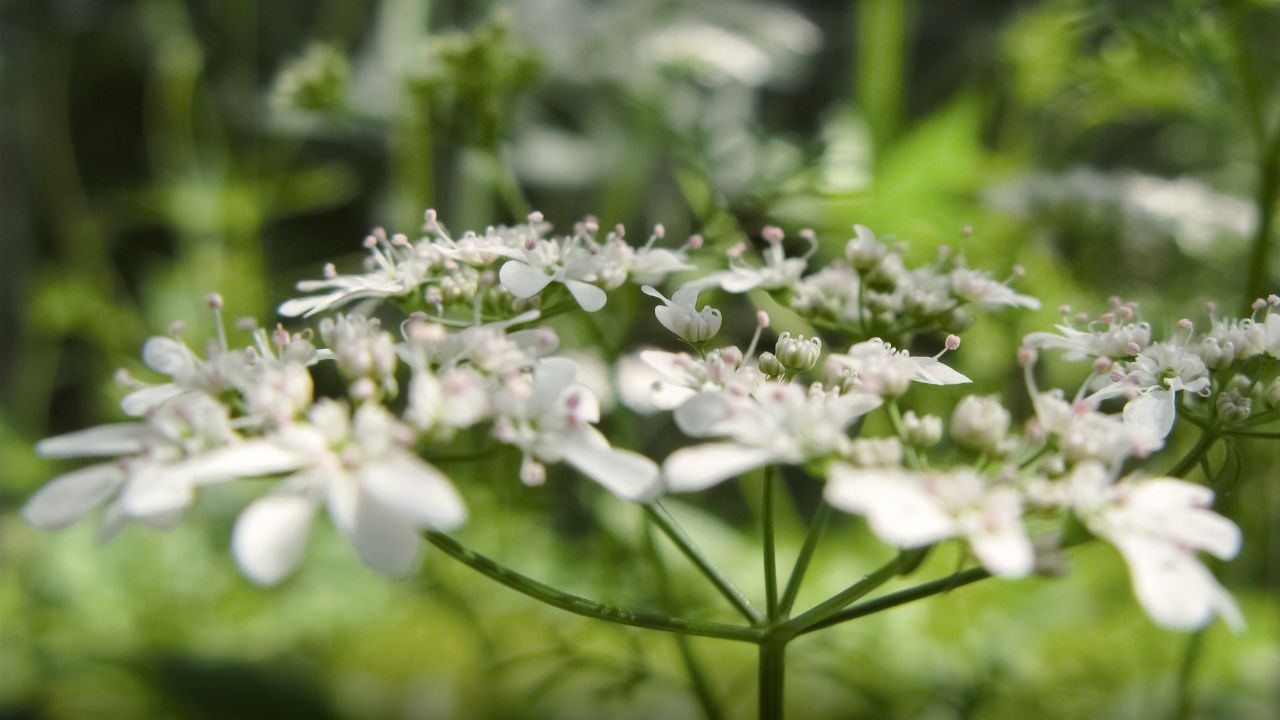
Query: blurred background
{"points": [[152, 151]]}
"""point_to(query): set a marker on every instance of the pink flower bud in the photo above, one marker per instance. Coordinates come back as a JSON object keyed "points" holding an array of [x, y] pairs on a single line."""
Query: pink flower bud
{"points": [[762, 318]]}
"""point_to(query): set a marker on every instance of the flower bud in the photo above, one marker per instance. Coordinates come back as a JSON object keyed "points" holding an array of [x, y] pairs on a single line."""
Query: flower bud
{"points": [[769, 365], [957, 321], [876, 452], [798, 354], [1217, 355], [922, 432], [864, 251], [1273, 393], [1234, 407], [980, 423]]}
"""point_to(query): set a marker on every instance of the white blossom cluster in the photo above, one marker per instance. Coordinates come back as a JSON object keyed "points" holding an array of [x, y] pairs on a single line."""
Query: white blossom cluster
{"points": [[506, 269], [869, 291], [1070, 460], [252, 412], [365, 454]]}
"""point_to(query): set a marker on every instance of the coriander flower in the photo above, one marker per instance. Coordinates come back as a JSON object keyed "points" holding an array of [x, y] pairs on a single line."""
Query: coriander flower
{"points": [[1158, 524], [778, 270], [540, 261], [978, 287], [151, 479], [879, 369], [776, 424], [550, 417], [914, 509], [360, 466], [681, 316], [1156, 376]]}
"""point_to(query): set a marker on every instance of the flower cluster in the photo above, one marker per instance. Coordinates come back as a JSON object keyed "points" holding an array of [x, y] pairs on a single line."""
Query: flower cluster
{"points": [[869, 291], [1068, 461], [365, 454], [437, 270], [252, 412]]}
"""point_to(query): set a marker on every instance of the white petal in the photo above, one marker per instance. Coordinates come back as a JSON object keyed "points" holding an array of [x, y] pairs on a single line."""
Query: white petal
{"points": [[270, 536], [897, 508], [416, 490], [589, 297], [156, 492], [139, 402], [1151, 413], [308, 306], [385, 539], [1174, 588], [251, 458], [114, 520], [932, 372], [522, 279], [68, 498], [629, 475], [686, 296], [114, 439], [703, 415], [740, 280], [551, 378], [168, 356], [1000, 541], [701, 466], [667, 396]]}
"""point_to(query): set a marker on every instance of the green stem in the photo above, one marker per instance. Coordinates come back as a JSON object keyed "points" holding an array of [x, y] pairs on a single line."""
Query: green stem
{"points": [[1255, 435], [772, 679], [1188, 461], [901, 597], [895, 420], [1268, 188], [1186, 672], [770, 559], [792, 589], [582, 606], [840, 600], [697, 678], [669, 527]]}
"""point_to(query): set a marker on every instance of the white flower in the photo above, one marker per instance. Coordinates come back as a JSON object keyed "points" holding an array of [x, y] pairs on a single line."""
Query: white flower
{"points": [[777, 424], [152, 479], [778, 270], [378, 492], [394, 267], [681, 316], [539, 262], [882, 370], [664, 380], [1116, 340], [1158, 524], [1084, 434], [978, 287], [1157, 375], [914, 509], [550, 418], [980, 422]]}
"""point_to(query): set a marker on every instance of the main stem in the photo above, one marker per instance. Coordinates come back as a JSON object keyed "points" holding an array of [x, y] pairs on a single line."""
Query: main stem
{"points": [[772, 679]]}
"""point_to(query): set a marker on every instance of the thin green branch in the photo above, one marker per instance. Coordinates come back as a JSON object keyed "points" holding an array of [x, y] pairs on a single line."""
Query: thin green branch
{"points": [[901, 597], [770, 552], [792, 590], [661, 517], [697, 678], [582, 606], [840, 600]]}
